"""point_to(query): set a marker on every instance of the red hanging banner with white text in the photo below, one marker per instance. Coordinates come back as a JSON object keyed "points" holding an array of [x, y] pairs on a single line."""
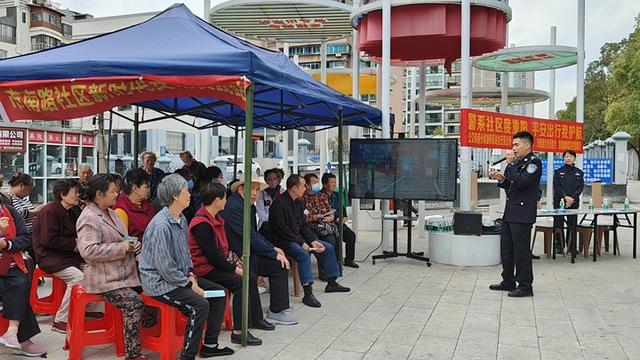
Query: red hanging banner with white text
{"points": [[72, 98], [491, 130]]}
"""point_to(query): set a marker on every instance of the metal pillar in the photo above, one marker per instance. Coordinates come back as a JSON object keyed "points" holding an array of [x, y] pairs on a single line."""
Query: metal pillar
{"points": [[411, 114], [136, 137], [285, 134], [552, 115], [465, 102], [355, 87], [205, 134], [235, 153], [296, 135], [322, 135], [422, 123], [385, 100], [580, 73], [341, 189], [504, 108], [246, 219]]}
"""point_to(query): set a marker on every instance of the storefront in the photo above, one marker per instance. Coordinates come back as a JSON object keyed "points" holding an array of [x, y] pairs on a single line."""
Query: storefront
{"points": [[45, 155]]}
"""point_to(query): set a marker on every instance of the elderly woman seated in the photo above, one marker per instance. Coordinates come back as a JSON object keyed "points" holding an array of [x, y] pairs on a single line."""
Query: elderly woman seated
{"points": [[14, 286], [111, 270], [167, 272], [133, 207], [55, 243]]}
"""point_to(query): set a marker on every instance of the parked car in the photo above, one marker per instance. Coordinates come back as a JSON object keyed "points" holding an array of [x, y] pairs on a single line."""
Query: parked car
{"points": [[255, 167]]}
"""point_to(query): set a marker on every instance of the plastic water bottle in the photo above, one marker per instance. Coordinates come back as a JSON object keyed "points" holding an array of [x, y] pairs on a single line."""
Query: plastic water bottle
{"points": [[605, 204], [562, 204], [626, 203], [590, 204]]}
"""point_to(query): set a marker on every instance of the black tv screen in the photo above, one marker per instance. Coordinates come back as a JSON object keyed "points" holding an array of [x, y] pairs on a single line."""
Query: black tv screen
{"points": [[412, 169]]}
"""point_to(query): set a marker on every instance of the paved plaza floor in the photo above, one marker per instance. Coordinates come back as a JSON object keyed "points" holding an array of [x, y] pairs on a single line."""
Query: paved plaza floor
{"points": [[402, 309]]}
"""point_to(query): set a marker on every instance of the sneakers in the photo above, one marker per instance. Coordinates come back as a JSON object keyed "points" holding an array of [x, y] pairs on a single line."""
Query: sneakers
{"points": [[30, 349], [281, 318], [208, 351], [59, 327], [10, 339], [351, 264], [311, 301], [251, 340], [336, 288]]}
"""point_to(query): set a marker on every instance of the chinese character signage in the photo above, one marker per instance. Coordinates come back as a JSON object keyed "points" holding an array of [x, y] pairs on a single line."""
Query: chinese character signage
{"points": [[485, 129], [595, 169], [12, 140], [54, 137], [88, 140], [71, 139], [73, 98], [293, 23], [36, 136]]}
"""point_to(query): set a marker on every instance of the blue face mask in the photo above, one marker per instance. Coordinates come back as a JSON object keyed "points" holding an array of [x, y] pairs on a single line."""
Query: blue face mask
{"points": [[315, 188], [190, 184]]}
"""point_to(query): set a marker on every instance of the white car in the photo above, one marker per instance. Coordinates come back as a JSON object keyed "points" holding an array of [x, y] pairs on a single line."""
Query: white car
{"points": [[255, 167]]}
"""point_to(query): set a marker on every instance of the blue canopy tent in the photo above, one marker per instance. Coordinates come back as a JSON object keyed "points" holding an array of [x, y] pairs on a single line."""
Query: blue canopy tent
{"points": [[177, 64]]}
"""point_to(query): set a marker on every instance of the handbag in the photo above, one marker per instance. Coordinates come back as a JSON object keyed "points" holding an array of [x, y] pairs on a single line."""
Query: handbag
{"points": [[324, 229]]}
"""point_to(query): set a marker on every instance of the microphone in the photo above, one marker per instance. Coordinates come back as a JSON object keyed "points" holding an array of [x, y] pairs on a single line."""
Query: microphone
{"points": [[499, 161]]}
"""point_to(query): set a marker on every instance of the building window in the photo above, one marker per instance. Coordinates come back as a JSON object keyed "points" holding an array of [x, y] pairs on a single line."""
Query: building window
{"points": [[24, 17], [3, 54], [36, 16], [54, 160], [67, 31], [36, 160], [175, 141], [42, 42], [342, 48], [310, 65], [305, 50], [7, 33], [336, 64], [368, 97], [367, 64]]}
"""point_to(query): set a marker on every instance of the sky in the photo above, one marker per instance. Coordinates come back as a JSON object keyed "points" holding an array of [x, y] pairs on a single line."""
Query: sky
{"points": [[606, 21]]}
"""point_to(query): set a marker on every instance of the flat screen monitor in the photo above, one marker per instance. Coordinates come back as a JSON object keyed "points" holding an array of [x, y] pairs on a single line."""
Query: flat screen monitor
{"points": [[411, 169]]}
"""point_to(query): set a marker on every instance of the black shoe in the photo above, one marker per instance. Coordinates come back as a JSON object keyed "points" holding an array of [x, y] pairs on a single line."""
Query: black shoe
{"points": [[251, 340], [559, 251], [351, 264], [207, 352], [336, 288], [517, 293], [502, 287], [311, 301], [322, 278], [263, 325], [535, 257]]}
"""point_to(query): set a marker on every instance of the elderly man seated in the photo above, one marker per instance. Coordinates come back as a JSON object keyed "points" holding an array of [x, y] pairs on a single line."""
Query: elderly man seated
{"points": [[290, 232]]}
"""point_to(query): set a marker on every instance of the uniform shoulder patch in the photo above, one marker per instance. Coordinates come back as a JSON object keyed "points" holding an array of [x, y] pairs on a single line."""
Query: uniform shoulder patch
{"points": [[531, 168]]}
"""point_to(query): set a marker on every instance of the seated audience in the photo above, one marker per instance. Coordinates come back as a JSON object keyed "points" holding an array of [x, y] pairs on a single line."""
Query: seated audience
{"points": [[265, 260], [215, 261], [55, 244], [20, 186], [15, 286], [133, 206], [290, 232], [191, 209], [167, 275], [110, 269], [194, 166], [329, 195]]}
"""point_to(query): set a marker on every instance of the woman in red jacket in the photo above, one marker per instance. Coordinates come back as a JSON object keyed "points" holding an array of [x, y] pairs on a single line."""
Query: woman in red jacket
{"points": [[133, 206]]}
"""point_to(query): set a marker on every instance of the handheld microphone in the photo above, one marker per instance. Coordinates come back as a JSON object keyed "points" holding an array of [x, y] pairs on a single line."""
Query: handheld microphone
{"points": [[499, 161]]}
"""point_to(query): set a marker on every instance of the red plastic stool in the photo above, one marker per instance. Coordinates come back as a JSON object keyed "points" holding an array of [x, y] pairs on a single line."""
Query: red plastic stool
{"points": [[4, 325], [50, 304], [166, 337], [82, 333], [228, 316]]}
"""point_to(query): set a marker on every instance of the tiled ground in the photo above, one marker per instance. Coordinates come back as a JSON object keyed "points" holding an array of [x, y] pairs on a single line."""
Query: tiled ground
{"points": [[401, 309]]}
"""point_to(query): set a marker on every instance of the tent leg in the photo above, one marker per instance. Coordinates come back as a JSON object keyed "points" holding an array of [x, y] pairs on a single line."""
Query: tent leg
{"points": [[235, 154], [136, 137], [341, 204], [246, 219]]}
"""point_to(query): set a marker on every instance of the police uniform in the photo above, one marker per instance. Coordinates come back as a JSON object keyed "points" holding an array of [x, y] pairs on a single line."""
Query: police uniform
{"points": [[567, 181], [522, 185]]}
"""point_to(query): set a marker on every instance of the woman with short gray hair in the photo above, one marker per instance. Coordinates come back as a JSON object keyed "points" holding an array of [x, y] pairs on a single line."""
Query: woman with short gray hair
{"points": [[167, 276]]}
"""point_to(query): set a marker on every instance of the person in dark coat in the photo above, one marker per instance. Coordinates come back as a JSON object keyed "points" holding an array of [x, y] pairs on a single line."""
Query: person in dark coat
{"points": [[522, 185], [55, 243], [568, 183], [266, 259]]}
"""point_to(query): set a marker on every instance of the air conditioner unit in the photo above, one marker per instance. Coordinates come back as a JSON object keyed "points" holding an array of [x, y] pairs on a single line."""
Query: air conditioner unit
{"points": [[338, 55]]}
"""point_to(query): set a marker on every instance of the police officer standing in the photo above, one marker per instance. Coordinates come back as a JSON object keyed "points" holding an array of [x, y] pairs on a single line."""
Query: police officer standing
{"points": [[568, 183], [521, 183]]}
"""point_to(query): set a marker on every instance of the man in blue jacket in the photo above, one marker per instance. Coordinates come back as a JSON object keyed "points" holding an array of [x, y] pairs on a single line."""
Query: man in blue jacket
{"points": [[266, 260]]}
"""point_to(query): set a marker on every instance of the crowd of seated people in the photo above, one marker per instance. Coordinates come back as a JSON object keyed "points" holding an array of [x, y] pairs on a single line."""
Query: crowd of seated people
{"points": [[171, 237]]}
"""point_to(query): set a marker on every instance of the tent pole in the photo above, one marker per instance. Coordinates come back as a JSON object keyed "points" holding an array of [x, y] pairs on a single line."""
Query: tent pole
{"points": [[136, 136], [235, 151], [246, 219], [109, 139], [341, 203]]}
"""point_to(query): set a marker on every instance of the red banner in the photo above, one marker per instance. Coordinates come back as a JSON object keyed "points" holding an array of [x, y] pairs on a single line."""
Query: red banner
{"points": [[13, 140], [74, 98], [485, 129], [36, 136], [54, 137], [88, 140], [71, 139]]}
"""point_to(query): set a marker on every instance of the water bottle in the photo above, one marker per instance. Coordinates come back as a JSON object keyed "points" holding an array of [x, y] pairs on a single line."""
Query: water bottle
{"points": [[562, 204], [626, 203], [590, 204], [605, 204]]}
